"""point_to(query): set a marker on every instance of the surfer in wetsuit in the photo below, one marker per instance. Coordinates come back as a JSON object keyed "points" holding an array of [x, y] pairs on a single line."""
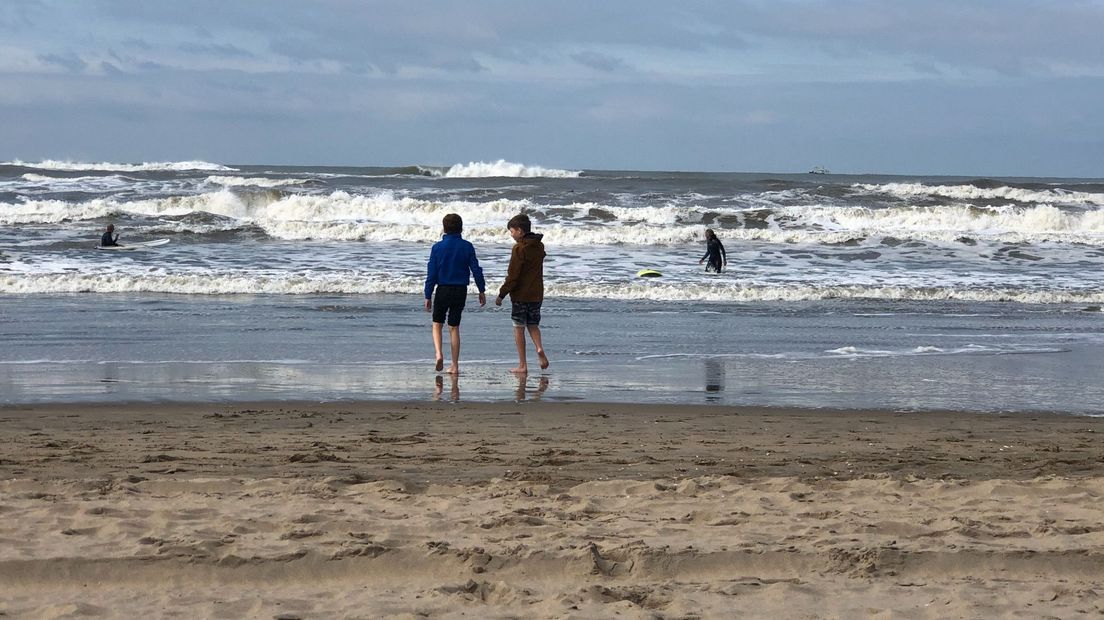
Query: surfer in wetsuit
{"points": [[714, 251], [107, 240]]}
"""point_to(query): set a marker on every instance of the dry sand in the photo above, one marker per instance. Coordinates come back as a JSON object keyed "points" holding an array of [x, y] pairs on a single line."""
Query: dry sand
{"points": [[370, 510]]}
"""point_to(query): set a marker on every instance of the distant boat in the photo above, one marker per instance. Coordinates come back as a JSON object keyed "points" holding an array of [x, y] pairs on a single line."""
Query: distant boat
{"points": [[819, 170]]}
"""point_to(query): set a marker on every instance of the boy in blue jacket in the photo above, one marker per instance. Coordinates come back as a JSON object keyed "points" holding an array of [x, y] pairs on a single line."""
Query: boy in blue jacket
{"points": [[451, 260]]}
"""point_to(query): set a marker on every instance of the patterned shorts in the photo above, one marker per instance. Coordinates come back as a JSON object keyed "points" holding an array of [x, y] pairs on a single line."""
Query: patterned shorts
{"points": [[525, 313]]}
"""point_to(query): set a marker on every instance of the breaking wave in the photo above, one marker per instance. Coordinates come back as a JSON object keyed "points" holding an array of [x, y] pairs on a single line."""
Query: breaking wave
{"points": [[947, 223], [384, 216], [503, 168], [340, 216], [228, 181], [972, 192], [211, 283], [52, 164]]}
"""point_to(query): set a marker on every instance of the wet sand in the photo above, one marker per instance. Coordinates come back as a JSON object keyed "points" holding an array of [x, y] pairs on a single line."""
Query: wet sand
{"points": [[541, 509]]}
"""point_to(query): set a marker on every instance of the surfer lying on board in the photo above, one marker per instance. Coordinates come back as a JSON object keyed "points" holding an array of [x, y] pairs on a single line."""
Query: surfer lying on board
{"points": [[107, 240], [714, 251]]}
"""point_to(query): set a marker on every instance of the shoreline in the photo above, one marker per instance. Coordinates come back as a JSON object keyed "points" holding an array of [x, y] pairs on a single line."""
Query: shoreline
{"points": [[805, 443], [545, 509], [527, 397]]}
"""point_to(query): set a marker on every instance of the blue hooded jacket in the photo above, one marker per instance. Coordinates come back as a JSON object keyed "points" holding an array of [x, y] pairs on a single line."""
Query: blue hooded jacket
{"points": [[450, 261]]}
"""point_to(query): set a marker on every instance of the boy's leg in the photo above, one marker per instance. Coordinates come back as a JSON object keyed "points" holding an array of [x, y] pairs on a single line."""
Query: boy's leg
{"points": [[437, 327], [535, 334], [519, 340], [454, 341], [457, 298], [440, 310]]}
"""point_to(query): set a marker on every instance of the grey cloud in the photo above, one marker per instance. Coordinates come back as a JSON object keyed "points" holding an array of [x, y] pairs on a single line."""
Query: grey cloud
{"points": [[20, 15], [926, 68], [415, 72], [216, 49], [426, 34], [600, 62], [139, 44], [68, 61], [384, 56], [1011, 37]]}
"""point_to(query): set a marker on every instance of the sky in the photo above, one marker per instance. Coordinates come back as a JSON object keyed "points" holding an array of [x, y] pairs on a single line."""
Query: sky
{"points": [[996, 88]]}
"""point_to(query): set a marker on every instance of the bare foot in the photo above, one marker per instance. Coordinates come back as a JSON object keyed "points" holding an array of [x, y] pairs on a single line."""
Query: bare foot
{"points": [[454, 370], [520, 370], [543, 360], [440, 364]]}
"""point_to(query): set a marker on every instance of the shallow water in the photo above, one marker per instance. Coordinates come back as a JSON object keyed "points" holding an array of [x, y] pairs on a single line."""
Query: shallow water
{"points": [[838, 354]]}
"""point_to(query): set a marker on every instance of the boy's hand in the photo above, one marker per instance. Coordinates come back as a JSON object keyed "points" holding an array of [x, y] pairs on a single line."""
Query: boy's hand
{"points": [[701, 261], [498, 301], [429, 305], [482, 299]]}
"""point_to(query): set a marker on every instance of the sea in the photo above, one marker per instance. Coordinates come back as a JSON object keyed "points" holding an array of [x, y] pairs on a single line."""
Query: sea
{"points": [[304, 283]]}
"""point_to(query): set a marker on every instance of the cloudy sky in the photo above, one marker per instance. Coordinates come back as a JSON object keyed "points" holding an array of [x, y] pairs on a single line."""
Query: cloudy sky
{"points": [[1000, 87]]}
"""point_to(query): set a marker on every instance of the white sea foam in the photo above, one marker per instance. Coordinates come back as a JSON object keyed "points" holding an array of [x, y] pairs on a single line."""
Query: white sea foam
{"points": [[54, 211], [40, 178], [203, 282], [51, 164], [971, 349], [503, 168], [102, 362], [947, 223], [652, 290], [971, 192], [83, 183], [859, 352], [208, 284], [383, 216], [253, 181]]}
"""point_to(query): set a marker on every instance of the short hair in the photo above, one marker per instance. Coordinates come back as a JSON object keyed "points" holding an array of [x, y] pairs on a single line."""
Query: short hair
{"points": [[520, 221], [453, 223]]}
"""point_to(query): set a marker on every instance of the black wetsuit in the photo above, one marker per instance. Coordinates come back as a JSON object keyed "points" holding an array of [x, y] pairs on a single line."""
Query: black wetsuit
{"points": [[107, 241], [715, 252]]}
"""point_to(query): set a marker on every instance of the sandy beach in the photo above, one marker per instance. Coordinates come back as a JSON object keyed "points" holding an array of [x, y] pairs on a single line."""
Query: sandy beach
{"points": [[540, 509]]}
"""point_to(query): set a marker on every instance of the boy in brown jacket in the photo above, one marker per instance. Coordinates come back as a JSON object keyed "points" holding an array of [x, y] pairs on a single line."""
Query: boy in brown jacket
{"points": [[525, 286]]}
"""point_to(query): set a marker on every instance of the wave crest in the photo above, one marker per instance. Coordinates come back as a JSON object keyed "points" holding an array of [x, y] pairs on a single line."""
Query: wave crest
{"points": [[229, 181], [973, 192], [503, 168], [369, 283], [383, 216], [53, 164]]}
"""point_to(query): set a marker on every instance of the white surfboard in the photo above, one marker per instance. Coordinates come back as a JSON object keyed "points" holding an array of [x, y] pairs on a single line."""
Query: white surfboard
{"points": [[139, 245]]}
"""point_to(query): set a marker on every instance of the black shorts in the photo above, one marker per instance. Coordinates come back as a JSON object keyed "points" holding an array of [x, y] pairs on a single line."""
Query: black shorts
{"points": [[449, 300], [525, 313]]}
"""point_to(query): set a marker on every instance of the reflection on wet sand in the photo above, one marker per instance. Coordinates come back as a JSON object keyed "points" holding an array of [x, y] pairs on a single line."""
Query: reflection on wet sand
{"points": [[714, 379], [523, 391], [454, 388]]}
